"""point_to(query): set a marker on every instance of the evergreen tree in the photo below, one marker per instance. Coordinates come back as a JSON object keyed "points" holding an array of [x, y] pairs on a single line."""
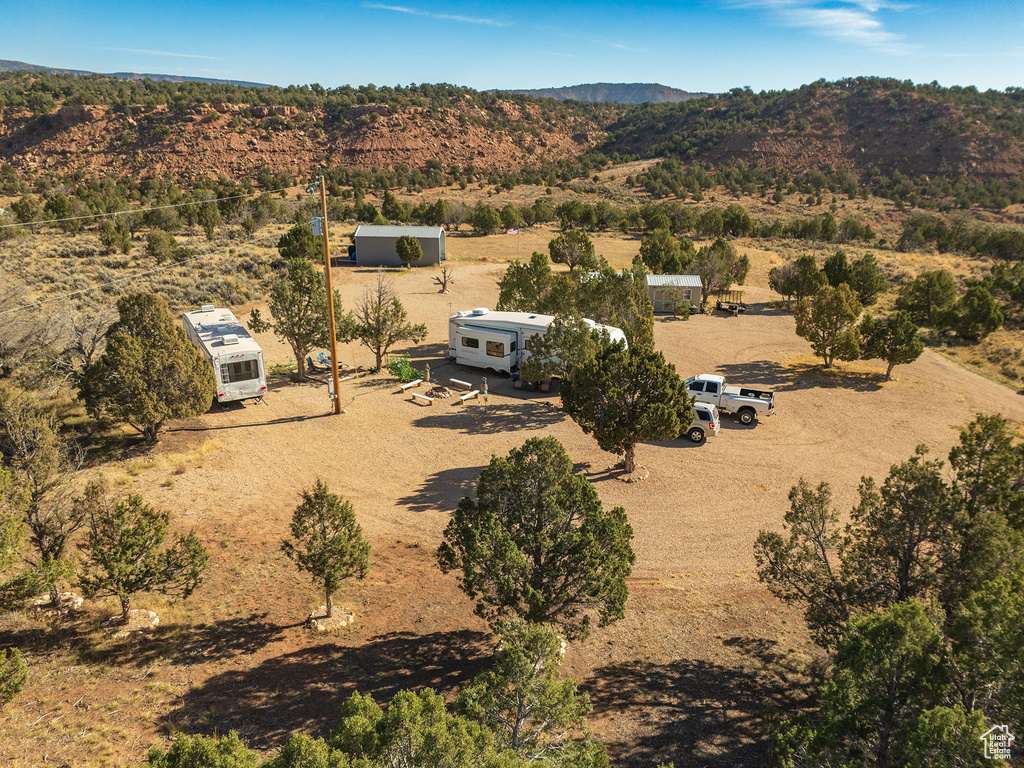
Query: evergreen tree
{"points": [[328, 542], [894, 340], [536, 543], [124, 555], [408, 249], [574, 249], [829, 323], [625, 397], [298, 306], [149, 372]]}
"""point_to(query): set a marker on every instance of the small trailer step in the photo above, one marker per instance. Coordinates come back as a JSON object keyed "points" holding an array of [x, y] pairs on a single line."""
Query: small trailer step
{"points": [[411, 385], [426, 400], [460, 384]]}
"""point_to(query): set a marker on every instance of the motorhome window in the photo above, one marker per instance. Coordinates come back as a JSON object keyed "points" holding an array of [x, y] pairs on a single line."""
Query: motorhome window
{"points": [[471, 343], [513, 347], [697, 386], [245, 370], [712, 387], [495, 349]]}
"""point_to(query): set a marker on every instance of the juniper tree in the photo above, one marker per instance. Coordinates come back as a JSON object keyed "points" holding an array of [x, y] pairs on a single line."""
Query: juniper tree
{"points": [[537, 544], [124, 553], [829, 322], [625, 397], [298, 306], [327, 541], [894, 340], [149, 373]]}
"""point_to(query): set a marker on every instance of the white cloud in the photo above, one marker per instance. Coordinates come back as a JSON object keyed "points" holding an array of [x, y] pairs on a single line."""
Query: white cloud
{"points": [[622, 47], [853, 21], [163, 53], [431, 15]]}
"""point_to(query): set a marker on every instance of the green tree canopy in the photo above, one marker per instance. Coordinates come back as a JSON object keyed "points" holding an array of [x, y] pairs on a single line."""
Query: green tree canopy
{"points": [[829, 323], [574, 249], [661, 254], [328, 542], [536, 543], [149, 372], [299, 242], [977, 314], [409, 249], [526, 704], [867, 279], [928, 296], [123, 554], [627, 396], [525, 285], [894, 340], [298, 306]]}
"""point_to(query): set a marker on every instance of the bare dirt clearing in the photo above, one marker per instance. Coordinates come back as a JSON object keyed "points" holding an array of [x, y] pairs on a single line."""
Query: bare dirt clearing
{"points": [[684, 677]]}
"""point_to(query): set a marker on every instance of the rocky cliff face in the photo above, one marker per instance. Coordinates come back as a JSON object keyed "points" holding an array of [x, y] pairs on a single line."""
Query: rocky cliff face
{"points": [[233, 139]]}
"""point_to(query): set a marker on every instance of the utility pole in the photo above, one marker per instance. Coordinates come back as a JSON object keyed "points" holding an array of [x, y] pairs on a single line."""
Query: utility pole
{"points": [[330, 300]]}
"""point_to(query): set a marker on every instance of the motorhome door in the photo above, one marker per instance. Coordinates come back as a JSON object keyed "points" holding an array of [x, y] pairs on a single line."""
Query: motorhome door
{"points": [[485, 347]]}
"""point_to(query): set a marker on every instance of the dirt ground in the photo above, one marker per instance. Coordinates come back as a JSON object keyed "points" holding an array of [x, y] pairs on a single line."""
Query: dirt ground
{"points": [[685, 677]]}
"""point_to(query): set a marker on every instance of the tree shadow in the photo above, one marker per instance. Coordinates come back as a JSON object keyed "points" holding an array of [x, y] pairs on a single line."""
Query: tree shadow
{"points": [[189, 644], [303, 690], [694, 712], [474, 418], [443, 490], [798, 376]]}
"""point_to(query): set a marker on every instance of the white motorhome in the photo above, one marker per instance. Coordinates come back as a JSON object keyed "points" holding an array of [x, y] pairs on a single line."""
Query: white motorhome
{"points": [[236, 358], [500, 341]]}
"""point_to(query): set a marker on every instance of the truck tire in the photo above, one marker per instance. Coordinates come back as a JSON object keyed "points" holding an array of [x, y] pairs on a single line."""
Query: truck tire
{"points": [[696, 435], [747, 415]]}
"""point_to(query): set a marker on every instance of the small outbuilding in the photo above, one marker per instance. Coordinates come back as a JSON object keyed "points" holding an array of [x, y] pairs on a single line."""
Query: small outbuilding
{"points": [[375, 245], [665, 290]]}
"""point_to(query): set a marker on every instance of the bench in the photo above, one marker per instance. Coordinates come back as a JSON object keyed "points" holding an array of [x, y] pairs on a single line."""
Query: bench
{"points": [[460, 384], [411, 385], [426, 400], [469, 396]]}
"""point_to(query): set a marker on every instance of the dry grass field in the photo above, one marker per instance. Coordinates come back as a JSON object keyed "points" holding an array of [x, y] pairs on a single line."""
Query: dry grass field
{"points": [[686, 676]]}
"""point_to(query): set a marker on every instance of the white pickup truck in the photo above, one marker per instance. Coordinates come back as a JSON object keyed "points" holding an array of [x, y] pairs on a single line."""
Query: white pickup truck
{"points": [[748, 404]]}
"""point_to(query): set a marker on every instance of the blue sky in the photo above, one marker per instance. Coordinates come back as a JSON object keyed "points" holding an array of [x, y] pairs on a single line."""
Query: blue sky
{"points": [[709, 45]]}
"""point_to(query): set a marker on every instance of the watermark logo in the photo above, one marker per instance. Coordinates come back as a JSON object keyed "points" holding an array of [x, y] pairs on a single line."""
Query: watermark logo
{"points": [[997, 740]]}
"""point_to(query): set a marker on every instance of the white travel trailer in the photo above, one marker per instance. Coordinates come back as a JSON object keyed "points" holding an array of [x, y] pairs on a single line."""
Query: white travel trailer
{"points": [[500, 341], [236, 358]]}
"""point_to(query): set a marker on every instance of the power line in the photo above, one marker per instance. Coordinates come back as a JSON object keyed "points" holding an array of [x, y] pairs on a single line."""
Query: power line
{"points": [[129, 277], [142, 210]]}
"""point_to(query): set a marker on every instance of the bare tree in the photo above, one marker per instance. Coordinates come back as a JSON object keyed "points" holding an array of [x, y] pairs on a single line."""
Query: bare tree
{"points": [[45, 463], [381, 320], [445, 279], [21, 333], [87, 333]]}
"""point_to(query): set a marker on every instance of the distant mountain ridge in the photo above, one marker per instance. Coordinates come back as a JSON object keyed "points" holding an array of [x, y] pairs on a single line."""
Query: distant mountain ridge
{"points": [[619, 93], [20, 66]]}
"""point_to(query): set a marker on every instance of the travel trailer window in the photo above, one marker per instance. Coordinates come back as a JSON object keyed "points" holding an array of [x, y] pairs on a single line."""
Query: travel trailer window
{"points": [[495, 349], [246, 370], [471, 343]]}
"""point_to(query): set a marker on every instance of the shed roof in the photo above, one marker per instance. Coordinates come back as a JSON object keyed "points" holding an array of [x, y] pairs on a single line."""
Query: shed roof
{"points": [[681, 281], [379, 230]]}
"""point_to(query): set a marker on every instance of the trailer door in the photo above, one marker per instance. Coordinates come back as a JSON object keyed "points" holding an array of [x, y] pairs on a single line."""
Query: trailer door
{"points": [[485, 347]]}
